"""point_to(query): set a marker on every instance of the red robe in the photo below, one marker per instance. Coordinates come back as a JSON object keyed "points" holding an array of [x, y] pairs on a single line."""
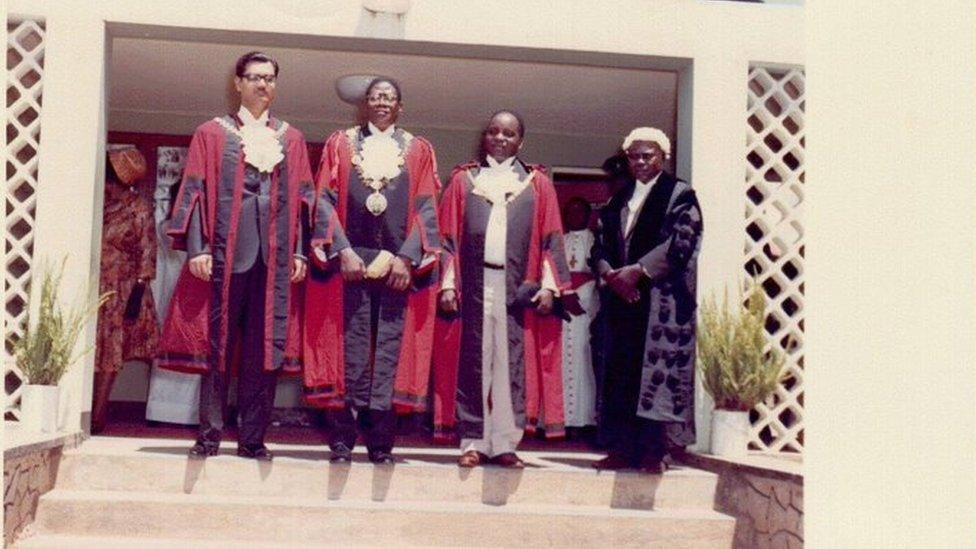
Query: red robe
{"points": [[324, 350], [457, 361], [215, 171]]}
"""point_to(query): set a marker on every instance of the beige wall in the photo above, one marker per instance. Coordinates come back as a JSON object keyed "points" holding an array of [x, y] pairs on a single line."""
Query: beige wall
{"points": [[891, 270]]}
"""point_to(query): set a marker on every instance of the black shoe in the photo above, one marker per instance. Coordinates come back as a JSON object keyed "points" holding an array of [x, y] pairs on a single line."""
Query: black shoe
{"points": [[202, 451], [612, 462], [381, 457], [340, 454], [260, 453], [653, 466]]}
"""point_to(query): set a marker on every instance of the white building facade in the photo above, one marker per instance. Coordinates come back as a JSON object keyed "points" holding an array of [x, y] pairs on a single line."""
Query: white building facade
{"points": [[739, 130]]}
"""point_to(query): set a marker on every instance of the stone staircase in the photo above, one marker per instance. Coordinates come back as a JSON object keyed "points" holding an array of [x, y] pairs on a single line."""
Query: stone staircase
{"points": [[115, 492]]}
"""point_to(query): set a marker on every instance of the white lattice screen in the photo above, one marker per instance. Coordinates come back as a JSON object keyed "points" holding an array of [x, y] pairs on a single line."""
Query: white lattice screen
{"points": [[774, 247], [25, 70]]}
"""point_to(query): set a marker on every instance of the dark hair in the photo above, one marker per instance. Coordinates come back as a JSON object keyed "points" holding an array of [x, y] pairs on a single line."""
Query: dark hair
{"points": [[253, 57], [568, 206], [513, 113], [580, 200], [380, 80]]}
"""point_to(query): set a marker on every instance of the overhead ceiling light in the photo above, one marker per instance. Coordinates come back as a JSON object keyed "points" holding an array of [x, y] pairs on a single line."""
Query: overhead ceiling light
{"points": [[352, 87], [395, 7]]}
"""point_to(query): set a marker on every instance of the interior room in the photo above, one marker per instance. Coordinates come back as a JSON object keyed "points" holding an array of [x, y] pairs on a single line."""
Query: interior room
{"points": [[577, 108]]}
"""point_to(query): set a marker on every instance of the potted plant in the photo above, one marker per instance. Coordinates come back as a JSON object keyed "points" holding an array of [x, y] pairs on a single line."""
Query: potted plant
{"points": [[738, 367], [44, 353]]}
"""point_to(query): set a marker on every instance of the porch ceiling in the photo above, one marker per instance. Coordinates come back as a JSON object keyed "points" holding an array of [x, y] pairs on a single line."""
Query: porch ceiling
{"points": [[160, 78]]}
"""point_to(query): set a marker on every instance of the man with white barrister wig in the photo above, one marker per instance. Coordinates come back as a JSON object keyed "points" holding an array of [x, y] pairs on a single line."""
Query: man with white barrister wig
{"points": [[645, 254]]}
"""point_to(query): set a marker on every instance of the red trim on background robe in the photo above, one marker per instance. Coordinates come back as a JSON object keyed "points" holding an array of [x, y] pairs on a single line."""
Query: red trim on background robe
{"points": [[185, 339], [578, 279], [542, 333], [324, 339]]}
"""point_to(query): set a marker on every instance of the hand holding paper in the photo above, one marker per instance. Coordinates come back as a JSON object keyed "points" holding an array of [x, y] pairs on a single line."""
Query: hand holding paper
{"points": [[380, 266]]}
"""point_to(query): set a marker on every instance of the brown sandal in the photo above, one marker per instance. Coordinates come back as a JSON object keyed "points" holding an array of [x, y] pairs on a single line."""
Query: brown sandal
{"points": [[472, 458], [508, 460]]}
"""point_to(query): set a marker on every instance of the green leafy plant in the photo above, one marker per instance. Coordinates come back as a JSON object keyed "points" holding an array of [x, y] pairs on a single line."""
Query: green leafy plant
{"points": [[44, 353], [738, 368]]}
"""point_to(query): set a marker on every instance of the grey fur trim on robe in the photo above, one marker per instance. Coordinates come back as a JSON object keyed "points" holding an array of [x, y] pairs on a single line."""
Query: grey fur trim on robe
{"points": [[667, 388]]}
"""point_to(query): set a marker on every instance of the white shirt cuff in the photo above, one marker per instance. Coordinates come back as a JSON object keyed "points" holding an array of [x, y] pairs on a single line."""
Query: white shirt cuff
{"points": [[447, 282], [548, 280]]}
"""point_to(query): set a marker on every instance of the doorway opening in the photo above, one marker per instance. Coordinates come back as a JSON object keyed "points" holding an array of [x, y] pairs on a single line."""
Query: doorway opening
{"points": [[165, 81]]}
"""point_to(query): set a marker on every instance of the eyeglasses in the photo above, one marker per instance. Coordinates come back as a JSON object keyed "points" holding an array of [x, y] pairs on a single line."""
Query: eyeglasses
{"points": [[269, 79], [382, 98], [646, 157]]}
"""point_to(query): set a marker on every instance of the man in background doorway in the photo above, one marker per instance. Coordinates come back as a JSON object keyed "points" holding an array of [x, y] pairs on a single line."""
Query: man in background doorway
{"points": [[579, 383]]}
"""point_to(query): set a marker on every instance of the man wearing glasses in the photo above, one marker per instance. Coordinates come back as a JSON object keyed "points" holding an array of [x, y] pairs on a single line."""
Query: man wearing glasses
{"points": [[370, 356], [246, 185], [645, 254]]}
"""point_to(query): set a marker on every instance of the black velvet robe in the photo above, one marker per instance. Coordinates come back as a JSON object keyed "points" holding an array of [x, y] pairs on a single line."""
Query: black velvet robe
{"points": [[647, 350]]}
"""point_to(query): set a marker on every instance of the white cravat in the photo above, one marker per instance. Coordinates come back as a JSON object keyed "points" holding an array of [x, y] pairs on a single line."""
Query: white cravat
{"points": [[496, 166], [247, 119], [377, 133], [636, 202], [495, 182], [259, 143]]}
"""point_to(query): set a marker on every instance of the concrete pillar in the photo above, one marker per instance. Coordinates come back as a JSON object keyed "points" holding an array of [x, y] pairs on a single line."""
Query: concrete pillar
{"points": [[70, 180], [716, 86]]}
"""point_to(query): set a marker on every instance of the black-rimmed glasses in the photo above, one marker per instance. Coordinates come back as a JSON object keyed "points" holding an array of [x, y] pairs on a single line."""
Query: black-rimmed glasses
{"points": [[269, 79]]}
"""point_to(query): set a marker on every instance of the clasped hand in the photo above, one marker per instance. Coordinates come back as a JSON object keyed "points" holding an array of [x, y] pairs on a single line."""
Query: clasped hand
{"points": [[543, 300], [353, 268], [623, 281]]}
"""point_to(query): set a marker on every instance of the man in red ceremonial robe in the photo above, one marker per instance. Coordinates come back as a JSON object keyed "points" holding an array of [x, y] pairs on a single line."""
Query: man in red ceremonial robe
{"points": [[246, 185], [497, 370], [370, 316]]}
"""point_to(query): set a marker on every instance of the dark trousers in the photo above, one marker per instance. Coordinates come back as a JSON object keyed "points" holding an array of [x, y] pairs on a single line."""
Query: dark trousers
{"points": [[255, 387], [378, 428], [625, 433], [372, 351], [373, 336]]}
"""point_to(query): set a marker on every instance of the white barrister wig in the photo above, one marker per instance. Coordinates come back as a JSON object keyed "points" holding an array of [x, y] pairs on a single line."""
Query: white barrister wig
{"points": [[647, 133]]}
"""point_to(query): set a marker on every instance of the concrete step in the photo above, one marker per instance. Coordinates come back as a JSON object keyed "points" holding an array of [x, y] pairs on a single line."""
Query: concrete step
{"points": [[62, 541], [424, 475], [314, 520]]}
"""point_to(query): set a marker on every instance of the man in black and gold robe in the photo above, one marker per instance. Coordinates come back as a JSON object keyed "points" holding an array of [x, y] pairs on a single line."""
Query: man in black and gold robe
{"points": [[645, 254]]}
